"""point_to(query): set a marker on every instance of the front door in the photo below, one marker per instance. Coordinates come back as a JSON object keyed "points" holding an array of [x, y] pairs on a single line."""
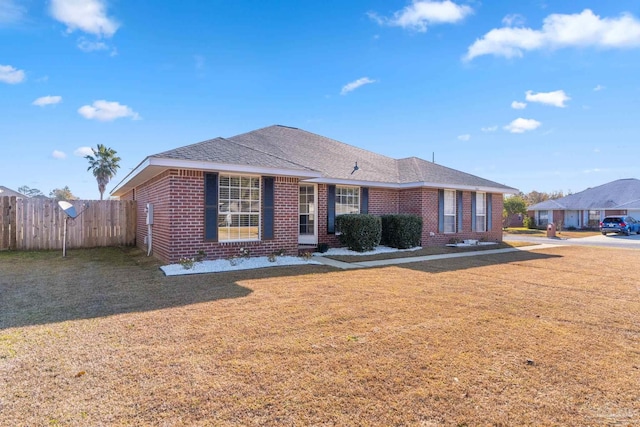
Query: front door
{"points": [[308, 215]]}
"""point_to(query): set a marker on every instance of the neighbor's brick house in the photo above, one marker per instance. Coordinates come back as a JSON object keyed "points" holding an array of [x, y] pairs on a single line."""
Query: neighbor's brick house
{"points": [[278, 188]]}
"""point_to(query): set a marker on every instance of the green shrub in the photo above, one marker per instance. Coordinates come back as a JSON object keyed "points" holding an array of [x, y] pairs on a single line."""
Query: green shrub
{"points": [[359, 232], [401, 231], [322, 247], [529, 222]]}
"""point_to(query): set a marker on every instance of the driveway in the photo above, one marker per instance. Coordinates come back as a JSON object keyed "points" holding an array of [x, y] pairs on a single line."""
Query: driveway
{"points": [[610, 240]]}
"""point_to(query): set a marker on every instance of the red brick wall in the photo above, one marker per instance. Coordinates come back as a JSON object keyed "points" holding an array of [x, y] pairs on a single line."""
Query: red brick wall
{"points": [[178, 230], [323, 237], [558, 217], [422, 202], [157, 192], [383, 202]]}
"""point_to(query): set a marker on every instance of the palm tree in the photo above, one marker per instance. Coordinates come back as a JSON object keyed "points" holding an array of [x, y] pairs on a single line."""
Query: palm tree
{"points": [[104, 164]]}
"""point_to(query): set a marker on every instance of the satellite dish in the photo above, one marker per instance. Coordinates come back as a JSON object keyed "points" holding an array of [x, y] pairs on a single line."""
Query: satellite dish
{"points": [[68, 208]]}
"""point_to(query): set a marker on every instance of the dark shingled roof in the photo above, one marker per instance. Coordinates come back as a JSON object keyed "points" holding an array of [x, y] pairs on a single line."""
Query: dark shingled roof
{"points": [[619, 194], [291, 148]]}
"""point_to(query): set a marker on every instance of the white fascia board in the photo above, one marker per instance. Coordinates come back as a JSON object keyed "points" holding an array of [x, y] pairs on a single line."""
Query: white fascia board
{"points": [[397, 186], [163, 164], [226, 167], [134, 172]]}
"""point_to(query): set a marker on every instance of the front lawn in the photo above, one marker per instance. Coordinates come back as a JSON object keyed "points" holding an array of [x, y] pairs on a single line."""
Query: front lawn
{"points": [[102, 337]]}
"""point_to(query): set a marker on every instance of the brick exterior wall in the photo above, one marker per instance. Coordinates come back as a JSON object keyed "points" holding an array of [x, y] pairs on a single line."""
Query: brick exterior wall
{"points": [[422, 202], [178, 229]]}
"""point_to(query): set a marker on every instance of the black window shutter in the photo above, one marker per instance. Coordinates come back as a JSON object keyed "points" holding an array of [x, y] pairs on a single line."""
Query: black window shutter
{"points": [[268, 198], [331, 209], [459, 210], [473, 211], [489, 210], [441, 211], [211, 206], [364, 200]]}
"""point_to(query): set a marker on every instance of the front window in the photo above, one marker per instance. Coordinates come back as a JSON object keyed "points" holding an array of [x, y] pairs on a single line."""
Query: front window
{"points": [[594, 219], [481, 212], [449, 211], [543, 217], [347, 200], [239, 208]]}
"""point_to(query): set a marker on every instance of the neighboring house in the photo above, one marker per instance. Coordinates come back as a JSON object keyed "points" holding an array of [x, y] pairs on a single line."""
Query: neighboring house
{"points": [[4, 191], [278, 188], [587, 208]]}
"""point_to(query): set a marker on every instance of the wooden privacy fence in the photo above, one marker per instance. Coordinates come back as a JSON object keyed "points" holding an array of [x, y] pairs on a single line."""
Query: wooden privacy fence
{"points": [[35, 223]]}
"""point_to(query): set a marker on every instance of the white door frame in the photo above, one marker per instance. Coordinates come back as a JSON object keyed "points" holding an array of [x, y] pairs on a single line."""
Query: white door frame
{"points": [[309, 239]]}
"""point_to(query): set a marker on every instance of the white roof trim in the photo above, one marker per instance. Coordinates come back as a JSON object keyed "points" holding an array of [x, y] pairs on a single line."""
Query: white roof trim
{"points": [[227, 167], [418, 184], [163, 164]]}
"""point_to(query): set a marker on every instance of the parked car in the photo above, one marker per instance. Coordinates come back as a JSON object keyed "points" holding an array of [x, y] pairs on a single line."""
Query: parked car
{"points": [[620, 224]]}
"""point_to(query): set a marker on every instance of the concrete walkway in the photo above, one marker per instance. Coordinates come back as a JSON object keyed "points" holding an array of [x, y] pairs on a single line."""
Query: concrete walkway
{"points": [[394, 261]]}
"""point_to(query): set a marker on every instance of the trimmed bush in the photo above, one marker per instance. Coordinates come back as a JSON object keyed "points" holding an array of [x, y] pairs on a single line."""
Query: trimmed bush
{"points": [[529, 222], [359, 232], [401, 231]]}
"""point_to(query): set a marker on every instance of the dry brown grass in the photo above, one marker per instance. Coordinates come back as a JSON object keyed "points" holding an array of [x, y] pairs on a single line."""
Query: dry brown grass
{"points": [[102, 338]]}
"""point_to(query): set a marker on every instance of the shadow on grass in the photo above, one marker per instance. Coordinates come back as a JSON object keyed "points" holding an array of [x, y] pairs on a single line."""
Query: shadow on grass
{"points": [[43, 287], [476, 260]]}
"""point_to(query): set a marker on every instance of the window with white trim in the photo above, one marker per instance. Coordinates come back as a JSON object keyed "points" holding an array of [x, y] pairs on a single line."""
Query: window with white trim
{"points": [[347, 200], [449, 211], [239, 208], [481, 212], [543, 217]]}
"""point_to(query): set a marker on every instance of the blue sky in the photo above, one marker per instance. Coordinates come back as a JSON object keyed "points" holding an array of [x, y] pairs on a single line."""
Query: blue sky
{"points": [[538, 95]]}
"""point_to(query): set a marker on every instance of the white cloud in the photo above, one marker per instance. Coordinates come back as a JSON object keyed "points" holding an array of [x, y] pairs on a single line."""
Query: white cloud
{"points": [[89, 16], [60, 155], [356, 84], [521, 125], [11, 12], [583, 29], [83, 151], [489, 128], [589, 171], [464, 137], [11, 75], [420, 14], [516, 105], [106, 111], [513, 19], [47, 100], [598, 88], [556, 98], [91, 46]]}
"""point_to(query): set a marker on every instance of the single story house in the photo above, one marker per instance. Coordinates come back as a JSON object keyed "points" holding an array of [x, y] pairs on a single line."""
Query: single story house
{"points": [[7, 192], [587, 208], [280, 188]]}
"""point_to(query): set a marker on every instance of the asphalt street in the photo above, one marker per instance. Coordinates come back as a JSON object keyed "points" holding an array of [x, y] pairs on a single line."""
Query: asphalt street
{"points": [[609, 241]]}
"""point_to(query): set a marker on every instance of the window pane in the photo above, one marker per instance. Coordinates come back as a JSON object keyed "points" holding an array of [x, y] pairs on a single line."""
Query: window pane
{"points": [[239, 204], [347, 200], [449, 224]]}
